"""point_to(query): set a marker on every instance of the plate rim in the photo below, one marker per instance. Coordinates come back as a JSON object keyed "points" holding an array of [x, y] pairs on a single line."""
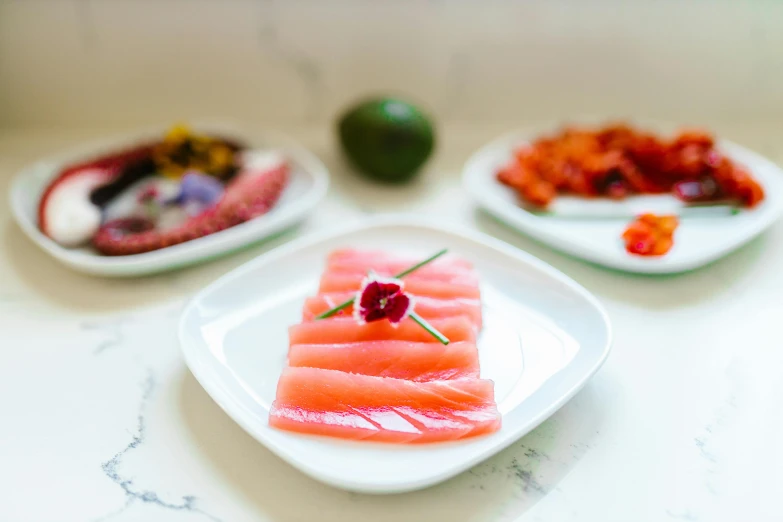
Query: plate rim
{"points": [[176, 256], [225, 399], [518, 219]]}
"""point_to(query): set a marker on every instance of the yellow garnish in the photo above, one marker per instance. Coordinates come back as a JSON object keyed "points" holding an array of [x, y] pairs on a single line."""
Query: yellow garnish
{"points": [[221, 156], [182, 150], [178, 134]]}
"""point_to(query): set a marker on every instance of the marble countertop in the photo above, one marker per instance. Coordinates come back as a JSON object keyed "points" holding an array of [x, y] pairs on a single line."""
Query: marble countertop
{"points": [[101, 420]]}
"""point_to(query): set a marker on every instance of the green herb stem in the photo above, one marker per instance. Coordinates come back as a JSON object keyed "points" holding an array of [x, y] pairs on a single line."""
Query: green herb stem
{"points": [[339, 307], [427, 326], [421, 264]]}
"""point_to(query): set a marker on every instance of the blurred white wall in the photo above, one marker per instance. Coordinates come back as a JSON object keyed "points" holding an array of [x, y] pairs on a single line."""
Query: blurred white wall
{"points": [[106, 62]]}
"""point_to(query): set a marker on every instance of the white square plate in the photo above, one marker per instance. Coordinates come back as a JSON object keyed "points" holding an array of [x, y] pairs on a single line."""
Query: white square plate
{"points": [[697, 241], [543, 337], [306, 188]]}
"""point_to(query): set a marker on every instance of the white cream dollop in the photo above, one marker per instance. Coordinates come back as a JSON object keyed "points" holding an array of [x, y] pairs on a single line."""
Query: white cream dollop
{"points": [[71, 218], [260, 161]]}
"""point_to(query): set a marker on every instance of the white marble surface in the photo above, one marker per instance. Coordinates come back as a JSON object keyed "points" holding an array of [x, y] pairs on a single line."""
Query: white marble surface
{"points": [[102, 421]]}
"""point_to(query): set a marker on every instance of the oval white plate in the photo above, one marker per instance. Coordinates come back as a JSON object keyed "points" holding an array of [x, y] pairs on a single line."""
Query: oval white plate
{"points": [[697, 241], [306, 188], [544, 336]]}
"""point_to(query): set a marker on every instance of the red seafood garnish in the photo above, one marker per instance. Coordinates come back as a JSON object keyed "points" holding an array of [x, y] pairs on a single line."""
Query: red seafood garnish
{"points": [[382, 298], [650, 235], [122, 227], [617, 161], [103, 170], [248, 195]]}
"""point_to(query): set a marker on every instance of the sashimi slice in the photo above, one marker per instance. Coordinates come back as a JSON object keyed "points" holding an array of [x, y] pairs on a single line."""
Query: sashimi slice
{"points": [[436, 427], [419, 362], [331, 283], [320, 389], [467, 278], [345, 405], [347, 330], [340, 422], [427, 307], [375, 259]]}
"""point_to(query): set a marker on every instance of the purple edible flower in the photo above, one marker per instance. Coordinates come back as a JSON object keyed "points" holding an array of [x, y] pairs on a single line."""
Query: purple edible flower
{"points": [[382, 298], [196, 187]]}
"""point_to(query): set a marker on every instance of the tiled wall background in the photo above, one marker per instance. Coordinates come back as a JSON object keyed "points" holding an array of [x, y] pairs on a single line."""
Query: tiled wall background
{"points": [[105, 62]]}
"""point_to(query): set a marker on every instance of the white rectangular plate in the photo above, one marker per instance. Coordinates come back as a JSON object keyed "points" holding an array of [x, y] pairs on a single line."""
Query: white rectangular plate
{"points": [[306, 188], [698, 240], [544, 336]]}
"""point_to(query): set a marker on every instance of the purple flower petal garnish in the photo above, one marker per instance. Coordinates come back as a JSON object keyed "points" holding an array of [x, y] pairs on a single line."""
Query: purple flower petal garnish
{"points": [[196, 187], [398, 309], [381, 298]]}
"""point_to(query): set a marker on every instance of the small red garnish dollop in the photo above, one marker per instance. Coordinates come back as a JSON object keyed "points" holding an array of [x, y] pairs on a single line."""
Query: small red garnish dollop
{"points": [[148, 194], [382, 298], [650, 235]]}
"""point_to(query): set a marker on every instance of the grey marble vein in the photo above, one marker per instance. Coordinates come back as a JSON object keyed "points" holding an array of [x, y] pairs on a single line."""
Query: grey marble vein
{"points": [[685, 515], [703, 441], [111, 330], [523, 467], [526, 477], [533, 453], [111, 468]]}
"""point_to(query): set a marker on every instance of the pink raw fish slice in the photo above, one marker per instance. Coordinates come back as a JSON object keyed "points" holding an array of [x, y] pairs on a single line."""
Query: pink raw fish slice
{"points": [[347, 330], [367, 259], [347, 283], [398, 359], [318, 402], [466, 278]]}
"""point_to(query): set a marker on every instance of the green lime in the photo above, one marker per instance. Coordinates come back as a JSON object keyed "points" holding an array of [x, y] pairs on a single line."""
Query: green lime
{"points": [[386, 139]]}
